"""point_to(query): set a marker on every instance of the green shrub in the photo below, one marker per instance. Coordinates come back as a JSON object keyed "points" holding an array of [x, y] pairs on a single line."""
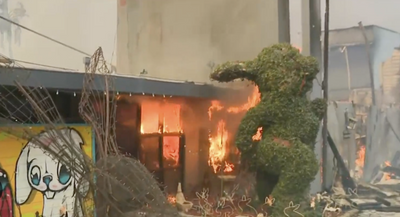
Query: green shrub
{"points": [[284, 158]]}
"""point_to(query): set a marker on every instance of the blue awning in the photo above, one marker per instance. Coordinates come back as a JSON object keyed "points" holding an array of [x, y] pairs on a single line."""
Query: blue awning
{"points": [[73, 81]]}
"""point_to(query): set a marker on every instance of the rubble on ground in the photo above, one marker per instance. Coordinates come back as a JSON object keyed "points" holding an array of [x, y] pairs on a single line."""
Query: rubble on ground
{"points": [[381, 198]]}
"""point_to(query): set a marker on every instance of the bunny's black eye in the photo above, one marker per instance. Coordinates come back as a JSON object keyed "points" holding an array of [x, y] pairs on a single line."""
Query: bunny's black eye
{"points": [[64, 174], [35, 175]]}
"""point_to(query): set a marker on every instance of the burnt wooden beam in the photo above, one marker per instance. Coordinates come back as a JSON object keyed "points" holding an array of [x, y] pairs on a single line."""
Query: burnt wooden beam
{"points": [[182, 157], [347, 181], [369, 189], [369, 206], [383, 201]]}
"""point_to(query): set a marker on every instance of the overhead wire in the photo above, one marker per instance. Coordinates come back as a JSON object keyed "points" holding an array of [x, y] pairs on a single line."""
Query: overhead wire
{"points": [[16, 63], [45, 36], [80, 51], [43, 65]]}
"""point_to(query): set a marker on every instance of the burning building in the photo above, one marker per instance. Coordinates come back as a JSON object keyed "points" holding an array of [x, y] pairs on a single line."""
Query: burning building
{"points": [[182, 132], [187, 140], [176, 134]]}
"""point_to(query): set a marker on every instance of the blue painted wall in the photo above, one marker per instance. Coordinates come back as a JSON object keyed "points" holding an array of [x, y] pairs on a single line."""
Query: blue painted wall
{"points": [[338, 76], [381, 49]]}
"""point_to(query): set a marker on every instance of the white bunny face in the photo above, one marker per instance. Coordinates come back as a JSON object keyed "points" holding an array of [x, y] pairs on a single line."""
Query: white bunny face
{"points": [[37, 170], [47, 175]]}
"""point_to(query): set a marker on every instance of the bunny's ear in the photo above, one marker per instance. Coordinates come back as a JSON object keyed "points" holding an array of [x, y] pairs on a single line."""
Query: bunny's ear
{"points": [[22, 187], [75, 136], [76, 139]]}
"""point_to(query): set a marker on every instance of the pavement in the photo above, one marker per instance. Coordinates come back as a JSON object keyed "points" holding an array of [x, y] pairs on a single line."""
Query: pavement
{"points": [[378, 214]]}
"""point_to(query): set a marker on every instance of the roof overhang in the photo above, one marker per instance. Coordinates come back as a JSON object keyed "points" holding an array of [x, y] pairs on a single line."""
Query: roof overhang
{"points": [[64, 80]]}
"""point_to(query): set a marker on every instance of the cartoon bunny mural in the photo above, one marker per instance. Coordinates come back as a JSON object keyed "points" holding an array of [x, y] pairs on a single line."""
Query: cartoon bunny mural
{"points": [[37, 170]]}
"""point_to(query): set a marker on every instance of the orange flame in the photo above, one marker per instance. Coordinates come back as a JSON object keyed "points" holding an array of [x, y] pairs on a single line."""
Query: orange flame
{"points": [[163, 118], [171, 199], [297, 47], [218, 143], [387, 176], [252, 101], [155, 115], [258, 135], [215, 106], [228, 167], [360, 160]]}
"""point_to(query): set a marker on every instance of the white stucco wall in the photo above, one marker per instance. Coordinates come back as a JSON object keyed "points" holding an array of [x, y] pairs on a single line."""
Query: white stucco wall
{"points": [[85, 25], [179, 39]]}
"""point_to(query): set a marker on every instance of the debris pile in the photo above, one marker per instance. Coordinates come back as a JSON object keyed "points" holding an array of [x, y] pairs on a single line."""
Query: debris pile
{"points": [[367, 198]]}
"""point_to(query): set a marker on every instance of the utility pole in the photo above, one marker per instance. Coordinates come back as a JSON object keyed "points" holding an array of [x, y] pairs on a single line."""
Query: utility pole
{"points": [[283, 21], [371, 70], [311, 28], [311, 45], [325, 89]]}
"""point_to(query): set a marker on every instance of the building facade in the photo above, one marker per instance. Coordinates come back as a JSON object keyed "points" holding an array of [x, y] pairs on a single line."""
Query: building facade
{"points": [[348, 61], [168, 115], [184, 39]]}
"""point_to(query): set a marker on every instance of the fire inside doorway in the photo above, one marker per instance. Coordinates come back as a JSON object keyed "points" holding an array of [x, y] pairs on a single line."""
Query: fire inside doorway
{"points": [[149, 129], [184, 140], [163, 142]]}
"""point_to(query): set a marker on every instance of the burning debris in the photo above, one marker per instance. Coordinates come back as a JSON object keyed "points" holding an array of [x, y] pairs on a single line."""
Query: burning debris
{"points": [[360, 163], [379, 195]]}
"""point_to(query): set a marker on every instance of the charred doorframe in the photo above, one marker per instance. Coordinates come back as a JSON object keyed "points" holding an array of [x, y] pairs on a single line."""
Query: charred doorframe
{"points": [[160, 135]]}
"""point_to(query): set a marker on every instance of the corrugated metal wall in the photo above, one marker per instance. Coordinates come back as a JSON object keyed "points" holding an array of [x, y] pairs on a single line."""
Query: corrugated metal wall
{"points": [[383, 140], [346, 146]]}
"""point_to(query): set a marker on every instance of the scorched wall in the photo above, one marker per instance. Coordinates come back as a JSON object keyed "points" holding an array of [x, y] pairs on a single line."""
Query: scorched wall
{"points": [[183, 39]]}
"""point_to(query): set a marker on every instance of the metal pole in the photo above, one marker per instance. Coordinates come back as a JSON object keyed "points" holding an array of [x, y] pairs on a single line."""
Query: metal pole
{"points": [[346, 55], [283, 21], [315, 29], [371, 71], [325, 89], [311, 27], [315, 44], [306, 27], [311, 32]]}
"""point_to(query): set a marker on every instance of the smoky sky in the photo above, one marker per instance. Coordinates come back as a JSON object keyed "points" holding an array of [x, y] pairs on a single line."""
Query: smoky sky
{"points": [[347, 13]]}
